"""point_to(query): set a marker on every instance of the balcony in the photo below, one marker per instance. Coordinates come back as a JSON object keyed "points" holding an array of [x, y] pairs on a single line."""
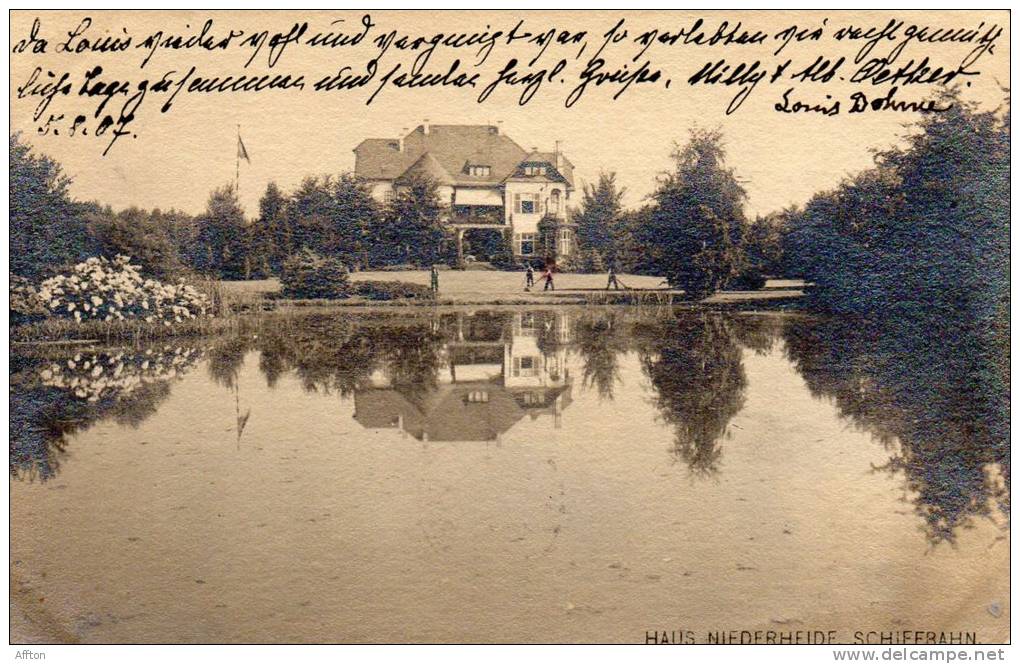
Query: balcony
{"points": [[476, 216]]}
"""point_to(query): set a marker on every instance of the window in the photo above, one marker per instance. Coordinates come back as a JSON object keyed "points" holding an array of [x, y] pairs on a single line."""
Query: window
{"points": [[524, 244], [526, 203], [524, 366], [534, 169], [478, 396], [565, 241], [554, 201], [479, 171], [388, 196]]}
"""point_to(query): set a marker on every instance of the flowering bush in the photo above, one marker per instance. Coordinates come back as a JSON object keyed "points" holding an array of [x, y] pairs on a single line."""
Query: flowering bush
{"points": [[101, 289]]}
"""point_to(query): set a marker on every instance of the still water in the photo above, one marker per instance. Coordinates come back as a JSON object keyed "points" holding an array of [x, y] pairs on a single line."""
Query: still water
{"points": [[530, 475]]}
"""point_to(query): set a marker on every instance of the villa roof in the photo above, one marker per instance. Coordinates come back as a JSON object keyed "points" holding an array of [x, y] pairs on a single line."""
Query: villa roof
{"points": [[447, 414], [452, 150], [428, 166]]}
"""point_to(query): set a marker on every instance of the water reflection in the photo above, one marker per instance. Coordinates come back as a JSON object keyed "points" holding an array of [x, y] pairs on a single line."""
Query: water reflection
{"points": [[55, 396], [936, 397], [937, 402], [695, 366]]}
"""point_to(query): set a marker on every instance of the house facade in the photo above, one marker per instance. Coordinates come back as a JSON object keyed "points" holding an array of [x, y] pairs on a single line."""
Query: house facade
{"points": [[493, 186]]}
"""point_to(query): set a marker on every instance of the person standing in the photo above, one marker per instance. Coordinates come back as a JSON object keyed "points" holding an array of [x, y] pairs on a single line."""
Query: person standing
{"points": [[612, 280], [548, 276], [435, 280], [529, 277]]}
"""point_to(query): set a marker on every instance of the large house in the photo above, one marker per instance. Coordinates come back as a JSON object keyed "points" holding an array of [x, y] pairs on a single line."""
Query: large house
{"points": [[490, 182]]}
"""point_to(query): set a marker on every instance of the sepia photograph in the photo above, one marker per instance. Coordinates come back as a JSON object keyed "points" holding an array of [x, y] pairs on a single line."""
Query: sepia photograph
{"points": [[647, 327]]}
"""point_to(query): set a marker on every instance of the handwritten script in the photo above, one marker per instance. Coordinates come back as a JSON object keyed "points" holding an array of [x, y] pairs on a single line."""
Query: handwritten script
{"points": [[825, 68]]}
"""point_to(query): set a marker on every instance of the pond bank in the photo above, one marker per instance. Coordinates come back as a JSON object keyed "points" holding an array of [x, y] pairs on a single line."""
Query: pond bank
{"points": [[244, 305]]}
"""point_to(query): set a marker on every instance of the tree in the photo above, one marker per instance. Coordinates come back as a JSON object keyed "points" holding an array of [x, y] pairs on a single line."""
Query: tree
{"points": [[221, 235], [694, 230], [413, 229], [47, 227], [924, 233], [271, 240], [629, 240], [144, 236], [599, 216], [760, 250], [331, 216]]}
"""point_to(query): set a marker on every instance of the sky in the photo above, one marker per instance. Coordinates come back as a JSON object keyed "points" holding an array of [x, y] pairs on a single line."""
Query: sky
{"points": [[174, 159]]}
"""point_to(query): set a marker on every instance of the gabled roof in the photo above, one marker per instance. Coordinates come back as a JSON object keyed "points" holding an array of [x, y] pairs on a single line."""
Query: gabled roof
{"points": [[428, 166], [453, 148], [447, 415], [565, 172]]}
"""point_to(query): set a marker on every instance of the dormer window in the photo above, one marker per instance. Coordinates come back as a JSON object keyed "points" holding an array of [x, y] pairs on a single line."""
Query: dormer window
{"points": [[479, 171], [534, 169]]}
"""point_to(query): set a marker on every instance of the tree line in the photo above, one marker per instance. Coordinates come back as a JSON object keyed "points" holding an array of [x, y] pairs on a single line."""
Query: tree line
{"points": [[925, 229], [924, 232], [331, 215]]}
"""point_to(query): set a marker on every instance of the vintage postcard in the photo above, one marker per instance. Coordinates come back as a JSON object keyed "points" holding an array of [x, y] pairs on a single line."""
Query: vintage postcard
{"points": [[497, 327]]}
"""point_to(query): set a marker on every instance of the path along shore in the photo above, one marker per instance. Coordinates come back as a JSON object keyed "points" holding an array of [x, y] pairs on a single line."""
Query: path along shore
{"points": [[478, 287]]}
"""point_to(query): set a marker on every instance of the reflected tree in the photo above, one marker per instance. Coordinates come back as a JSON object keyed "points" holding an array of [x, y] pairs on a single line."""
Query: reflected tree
{"points": [[694, 365], [600, 338], [939, 404], [334, 354]]}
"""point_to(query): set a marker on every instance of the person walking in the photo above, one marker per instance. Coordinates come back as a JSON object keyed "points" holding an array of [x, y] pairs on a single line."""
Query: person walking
{"points": [[548, 276], [612, 280], [435, 280], [529, 277]]}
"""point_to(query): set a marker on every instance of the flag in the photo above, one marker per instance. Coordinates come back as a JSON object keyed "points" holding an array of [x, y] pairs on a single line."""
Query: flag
{"points": [[241, 152]]}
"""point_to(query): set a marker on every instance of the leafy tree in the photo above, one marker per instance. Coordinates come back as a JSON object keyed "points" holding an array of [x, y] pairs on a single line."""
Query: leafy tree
{"points": [[599, 216], [47, 227], [694, 230], [221, 235], [630, 237], [332, 216], [413, 229], [924, 233], [144, 236], [760, 251], [271, 241]]}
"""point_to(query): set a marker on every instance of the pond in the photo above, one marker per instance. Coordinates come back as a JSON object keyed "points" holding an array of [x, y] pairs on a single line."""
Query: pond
{"points": [[513, 475]]}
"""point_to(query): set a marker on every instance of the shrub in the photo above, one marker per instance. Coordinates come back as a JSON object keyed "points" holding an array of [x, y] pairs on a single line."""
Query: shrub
{"points": [[26, 305], [101, 289], [751, 279], [308, 275], [391, 290]]}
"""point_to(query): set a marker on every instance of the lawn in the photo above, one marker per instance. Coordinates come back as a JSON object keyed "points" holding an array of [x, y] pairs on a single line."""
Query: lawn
{"points": [[483, 285]]}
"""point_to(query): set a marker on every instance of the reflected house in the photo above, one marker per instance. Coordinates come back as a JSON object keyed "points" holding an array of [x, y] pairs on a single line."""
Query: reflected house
{"points": [[493, 376]]}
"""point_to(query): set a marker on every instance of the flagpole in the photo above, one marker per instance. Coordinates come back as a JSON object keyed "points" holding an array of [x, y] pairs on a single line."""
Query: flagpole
{"points": [[237, 173]]}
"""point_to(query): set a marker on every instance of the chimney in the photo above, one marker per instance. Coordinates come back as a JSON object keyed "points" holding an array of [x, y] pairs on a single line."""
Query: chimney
{"points": [[559, 158], [499, 126], [403, 133], [425, 127]]}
